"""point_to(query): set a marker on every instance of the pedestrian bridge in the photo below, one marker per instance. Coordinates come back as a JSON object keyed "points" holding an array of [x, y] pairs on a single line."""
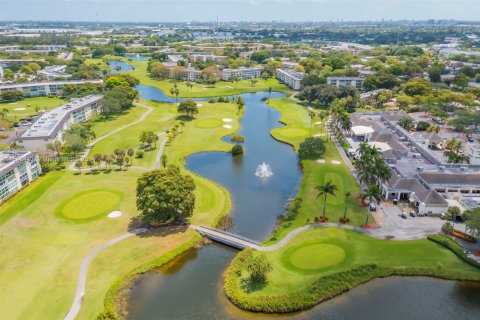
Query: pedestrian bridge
{"points": [[227, 238]]}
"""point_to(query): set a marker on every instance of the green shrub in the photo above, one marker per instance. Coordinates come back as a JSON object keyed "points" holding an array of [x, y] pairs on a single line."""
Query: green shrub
{"points": [[139, 153], [453, 246], [237, 149], [312, 148]]}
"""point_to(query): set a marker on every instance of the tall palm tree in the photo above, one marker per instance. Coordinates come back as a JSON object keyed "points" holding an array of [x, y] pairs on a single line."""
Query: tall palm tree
{"points": [[327, 189], [347, 195], [373, 193], [269, 92], [322, 115], [312, 115]]}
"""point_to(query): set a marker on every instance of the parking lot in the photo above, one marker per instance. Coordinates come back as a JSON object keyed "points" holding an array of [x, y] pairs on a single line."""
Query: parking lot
{"points": [[392, 225]]}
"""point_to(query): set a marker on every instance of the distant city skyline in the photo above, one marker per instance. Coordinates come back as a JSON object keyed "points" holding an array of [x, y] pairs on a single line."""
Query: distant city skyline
{"points": [[236, 10]]}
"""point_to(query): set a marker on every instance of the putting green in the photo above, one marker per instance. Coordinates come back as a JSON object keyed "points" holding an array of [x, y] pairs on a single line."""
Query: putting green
{"points": [[208, 123], [89, 205], [315, 256]]}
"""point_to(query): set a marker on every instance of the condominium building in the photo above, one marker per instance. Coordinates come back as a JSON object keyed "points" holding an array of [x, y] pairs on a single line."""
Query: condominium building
{"points": [[37, 89], [473, 152], [51, 125], [356, 82], [17, 169], [39, 49], [52, 72], [241, 73], [289, 77], [204, 57]]}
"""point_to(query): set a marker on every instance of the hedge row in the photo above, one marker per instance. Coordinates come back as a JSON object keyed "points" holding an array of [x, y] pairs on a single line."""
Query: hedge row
{"points": [[448, 243], [121, 286], [324, 287]]}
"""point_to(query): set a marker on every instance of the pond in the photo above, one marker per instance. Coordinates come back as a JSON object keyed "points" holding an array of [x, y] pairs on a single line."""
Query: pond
{"points": [[190, 287]]}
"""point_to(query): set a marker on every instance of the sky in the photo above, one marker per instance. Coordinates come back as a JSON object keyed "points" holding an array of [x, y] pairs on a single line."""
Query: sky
{"points": [[237, 10]]}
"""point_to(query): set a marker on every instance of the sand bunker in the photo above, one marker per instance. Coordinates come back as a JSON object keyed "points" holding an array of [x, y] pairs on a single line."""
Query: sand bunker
{"points": [[227, 126], [227, 120], [321, 160], [319, 134], [19, 109], [336, 162], [114, 214]]}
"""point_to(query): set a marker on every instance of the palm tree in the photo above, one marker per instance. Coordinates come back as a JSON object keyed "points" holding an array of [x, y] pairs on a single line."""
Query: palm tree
{"points": [[131, 153], [164, 160], [343, 120], [325, 190], [182, 124], [373, 193], [312, 115], [322, 115], [347, 195], [269, 92]]}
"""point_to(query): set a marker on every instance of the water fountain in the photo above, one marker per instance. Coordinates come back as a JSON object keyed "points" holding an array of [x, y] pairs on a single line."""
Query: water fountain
{"points": [[264, 171]]}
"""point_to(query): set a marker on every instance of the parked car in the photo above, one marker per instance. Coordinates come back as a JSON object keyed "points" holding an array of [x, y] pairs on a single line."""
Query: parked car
{"points": [[395, 201], [470, 139], [372, 207], [413, 214], [420, 214], [403, 215]]}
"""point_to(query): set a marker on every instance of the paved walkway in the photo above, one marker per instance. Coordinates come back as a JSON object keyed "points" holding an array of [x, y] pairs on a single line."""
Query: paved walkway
{"points": [[227, 238], [91, 144], [82, 277], [160, 151]]}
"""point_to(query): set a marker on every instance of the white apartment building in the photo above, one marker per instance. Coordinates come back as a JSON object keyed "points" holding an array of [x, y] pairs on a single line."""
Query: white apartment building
{"points": [[356, 82], [241, 73], [17, 169], [51, 125], [37, 89], [40, 49], [204, 57], [289, 77], [53, 72], [473, 152]]}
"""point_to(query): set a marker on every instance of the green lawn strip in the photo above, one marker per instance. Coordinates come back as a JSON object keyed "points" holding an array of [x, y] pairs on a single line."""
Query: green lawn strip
{"points": [[27, 196], [161, 119], [199, 90], [296, 119], [103, 126], [89, 205], [294, 288], [30, 107]]}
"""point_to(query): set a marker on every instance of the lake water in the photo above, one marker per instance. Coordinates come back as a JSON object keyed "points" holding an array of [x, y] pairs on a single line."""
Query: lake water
{"points": [[190, 287]]}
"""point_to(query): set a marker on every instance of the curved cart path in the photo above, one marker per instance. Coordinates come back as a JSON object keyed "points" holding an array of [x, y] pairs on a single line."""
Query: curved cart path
{"points": [[82, 277]]}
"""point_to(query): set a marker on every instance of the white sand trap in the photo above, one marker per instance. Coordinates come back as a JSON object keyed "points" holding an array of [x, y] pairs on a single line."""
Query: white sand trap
{"points": [[321, 160], [336, 162], [114, 214], [227, 126], [319, 122], [227, 120], [319, 134], [19, 109], [199, 105]]}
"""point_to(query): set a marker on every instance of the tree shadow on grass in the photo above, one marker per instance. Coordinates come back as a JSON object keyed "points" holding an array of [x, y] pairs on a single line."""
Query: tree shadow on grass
{"points": [[249, 286], [162, 231], [184, 117]]}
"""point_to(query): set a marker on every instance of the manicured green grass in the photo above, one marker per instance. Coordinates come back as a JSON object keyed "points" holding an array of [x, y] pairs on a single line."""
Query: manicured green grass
{"points": [[221, 88], [29, 106], [297, 121], [90, 204], [321, 253]]}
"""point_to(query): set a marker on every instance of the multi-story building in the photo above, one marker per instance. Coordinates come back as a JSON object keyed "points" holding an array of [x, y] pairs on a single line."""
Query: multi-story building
{"points": [[241, 73], [356, 82], [37, 89], [39, 49], [473, 152], [17, 169], [289, 77], [53, 72], [51, 125], [204, 57]]}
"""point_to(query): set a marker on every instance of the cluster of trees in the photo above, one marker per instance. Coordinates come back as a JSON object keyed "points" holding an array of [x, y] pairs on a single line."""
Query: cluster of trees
{"points": [[311, 148], [148, 138], [454, 152], [471, 219], [257, 266], [11, 95], [76, 138], [165, 195], [370, 165], [237, 139], [325, 94], [119, 157], [119, 94]]}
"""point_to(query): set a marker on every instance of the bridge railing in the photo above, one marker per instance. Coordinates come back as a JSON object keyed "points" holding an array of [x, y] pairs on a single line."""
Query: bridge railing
{"points": [[233, 235]]}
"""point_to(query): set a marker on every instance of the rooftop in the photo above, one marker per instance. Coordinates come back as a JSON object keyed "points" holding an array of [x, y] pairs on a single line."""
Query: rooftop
{"points": [[8, 159], [48, 124], [294, 74], [34, 84]]}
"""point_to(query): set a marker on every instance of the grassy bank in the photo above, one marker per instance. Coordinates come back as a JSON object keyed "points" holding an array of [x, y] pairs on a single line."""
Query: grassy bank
{"points": [[298, 127], [320, 263]]}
